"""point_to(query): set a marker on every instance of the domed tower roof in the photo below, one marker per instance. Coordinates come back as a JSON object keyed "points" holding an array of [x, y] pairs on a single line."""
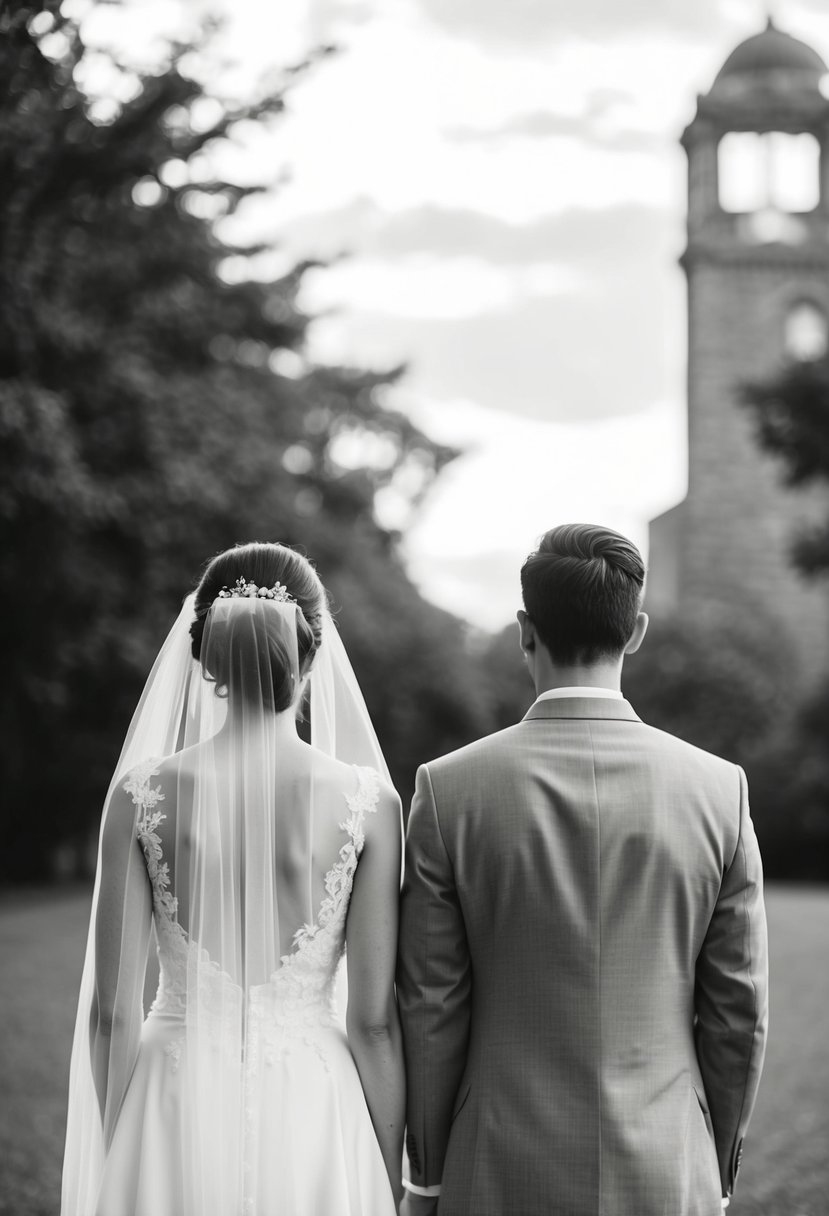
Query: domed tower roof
{"points": [[771, 58]]}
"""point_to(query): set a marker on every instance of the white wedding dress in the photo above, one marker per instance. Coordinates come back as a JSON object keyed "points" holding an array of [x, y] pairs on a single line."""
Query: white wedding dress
{"points": [[303, 1142]]}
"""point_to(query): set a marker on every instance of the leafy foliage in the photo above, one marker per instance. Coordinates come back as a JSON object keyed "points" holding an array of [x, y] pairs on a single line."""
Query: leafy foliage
{"points": [[511, 691], [145, 424], [715, 684], [791, 419]]}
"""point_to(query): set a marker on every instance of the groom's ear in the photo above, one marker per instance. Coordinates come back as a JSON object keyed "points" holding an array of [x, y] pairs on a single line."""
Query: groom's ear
{"points": [[639, 631], [527, 631]]}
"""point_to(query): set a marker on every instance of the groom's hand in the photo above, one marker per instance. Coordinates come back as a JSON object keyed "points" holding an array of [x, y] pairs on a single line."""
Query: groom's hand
{"points": [[418, 1205]]}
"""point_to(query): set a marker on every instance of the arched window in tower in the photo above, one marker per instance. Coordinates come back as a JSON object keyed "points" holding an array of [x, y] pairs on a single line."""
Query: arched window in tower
{"points": [[768, 171], [805, 332]]}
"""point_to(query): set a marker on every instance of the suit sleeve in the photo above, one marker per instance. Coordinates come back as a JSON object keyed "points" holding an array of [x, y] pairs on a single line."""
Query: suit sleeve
{"points": [[434, 987], [732, 998]]}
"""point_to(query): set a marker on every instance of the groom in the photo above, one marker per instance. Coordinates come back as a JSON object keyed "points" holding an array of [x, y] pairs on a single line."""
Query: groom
{"points": [[582, 976]]}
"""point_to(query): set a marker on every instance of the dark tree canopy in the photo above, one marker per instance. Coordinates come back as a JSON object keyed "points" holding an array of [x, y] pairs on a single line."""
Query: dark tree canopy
{"points": [[791, 420], [723, 684], [712, 683], [145, 424]]}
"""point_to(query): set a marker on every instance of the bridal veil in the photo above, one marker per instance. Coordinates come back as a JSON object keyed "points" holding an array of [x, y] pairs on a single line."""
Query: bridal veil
{"points": [[218, 801]]}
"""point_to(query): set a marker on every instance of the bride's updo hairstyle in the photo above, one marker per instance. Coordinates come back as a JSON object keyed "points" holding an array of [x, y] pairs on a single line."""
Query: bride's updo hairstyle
{"points": [[266, 565]]}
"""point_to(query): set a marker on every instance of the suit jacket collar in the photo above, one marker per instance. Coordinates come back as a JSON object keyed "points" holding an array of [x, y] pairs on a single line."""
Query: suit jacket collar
{"points": [[582, 707]]}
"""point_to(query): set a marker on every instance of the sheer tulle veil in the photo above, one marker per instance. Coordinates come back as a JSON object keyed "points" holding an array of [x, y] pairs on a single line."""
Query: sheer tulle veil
{"points": [[232, 811]]}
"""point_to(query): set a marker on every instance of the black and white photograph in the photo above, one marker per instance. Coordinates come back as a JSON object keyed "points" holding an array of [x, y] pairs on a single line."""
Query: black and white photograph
{"points": [[414, 554]]}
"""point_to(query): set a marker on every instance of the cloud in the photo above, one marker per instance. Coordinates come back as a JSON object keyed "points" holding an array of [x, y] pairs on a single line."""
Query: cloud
{"points": [[554, 358], [595, 124], [546, 124], [585, 238], [424, 285], [598, 341], [329, 20], [534, 23]]}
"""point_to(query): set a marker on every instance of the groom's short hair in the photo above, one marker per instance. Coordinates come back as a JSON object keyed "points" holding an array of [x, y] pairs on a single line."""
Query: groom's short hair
{"points": [[582, 590]]}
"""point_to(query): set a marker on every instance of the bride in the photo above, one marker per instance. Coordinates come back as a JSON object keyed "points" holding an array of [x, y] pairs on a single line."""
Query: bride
{"points": [[255, 857]]}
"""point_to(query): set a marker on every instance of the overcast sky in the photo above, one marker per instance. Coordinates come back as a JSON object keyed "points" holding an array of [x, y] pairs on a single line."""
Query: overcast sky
{"points": [[506, 181]]}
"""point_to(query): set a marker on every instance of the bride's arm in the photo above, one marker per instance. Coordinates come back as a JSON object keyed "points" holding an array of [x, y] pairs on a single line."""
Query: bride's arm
{"points": [[372, 1019], [123, 919]]}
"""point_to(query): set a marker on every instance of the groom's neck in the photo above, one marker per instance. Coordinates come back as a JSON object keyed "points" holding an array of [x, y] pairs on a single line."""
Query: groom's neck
{"points": [[549, 675]]}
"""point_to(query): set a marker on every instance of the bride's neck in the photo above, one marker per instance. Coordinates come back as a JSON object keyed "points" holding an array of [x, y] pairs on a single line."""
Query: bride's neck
{"points": [[277, 726]]}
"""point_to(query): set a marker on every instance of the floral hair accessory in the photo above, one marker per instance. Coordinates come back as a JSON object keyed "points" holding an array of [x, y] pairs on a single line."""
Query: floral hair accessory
{"points": [[245, 590]]}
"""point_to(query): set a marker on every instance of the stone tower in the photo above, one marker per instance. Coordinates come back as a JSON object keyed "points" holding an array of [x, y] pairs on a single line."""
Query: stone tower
{"points": [[757, 267]]}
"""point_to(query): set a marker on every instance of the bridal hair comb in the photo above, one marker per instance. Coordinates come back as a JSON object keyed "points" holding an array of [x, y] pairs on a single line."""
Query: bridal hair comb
{"points": [[245, 590]]}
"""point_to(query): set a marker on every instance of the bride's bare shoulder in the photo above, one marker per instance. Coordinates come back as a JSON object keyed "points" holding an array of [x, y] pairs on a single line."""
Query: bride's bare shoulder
{"points": [[347, 777], [326, 768]]}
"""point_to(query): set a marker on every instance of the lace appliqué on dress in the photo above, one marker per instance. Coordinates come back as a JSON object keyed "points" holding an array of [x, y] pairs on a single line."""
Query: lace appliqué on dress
{"points": [[172, 940], [340, 878], [298, 1001], [182, 963], [146, 798]]}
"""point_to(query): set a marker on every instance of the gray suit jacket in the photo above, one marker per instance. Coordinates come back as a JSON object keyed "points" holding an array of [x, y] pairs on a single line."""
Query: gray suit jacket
{"points": [[583, 970]]}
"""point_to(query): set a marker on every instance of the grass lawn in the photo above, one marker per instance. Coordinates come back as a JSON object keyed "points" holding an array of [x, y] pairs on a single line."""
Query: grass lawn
{"points": [[786, 1166]]}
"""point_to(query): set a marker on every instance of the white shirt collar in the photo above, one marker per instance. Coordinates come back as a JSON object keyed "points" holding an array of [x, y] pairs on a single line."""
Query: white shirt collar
{"points": [[554, 694]]}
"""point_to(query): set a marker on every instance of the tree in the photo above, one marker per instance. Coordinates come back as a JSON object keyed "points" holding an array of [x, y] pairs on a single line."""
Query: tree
{"points": [[713, 683], [511, 691], [791, 419], [145, 424]]}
